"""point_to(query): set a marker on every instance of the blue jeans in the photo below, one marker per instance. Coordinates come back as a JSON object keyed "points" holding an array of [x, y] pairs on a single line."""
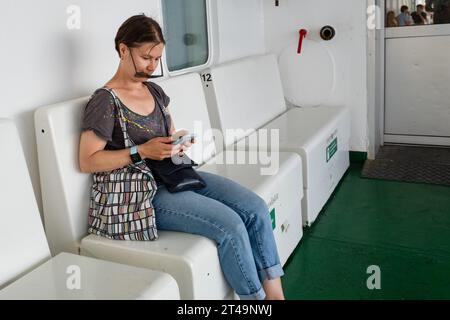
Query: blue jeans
{"points": [[236, 219]]}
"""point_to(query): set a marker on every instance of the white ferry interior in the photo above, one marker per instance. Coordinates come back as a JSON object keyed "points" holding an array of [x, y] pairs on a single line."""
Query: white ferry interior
{"points": [[335, 112]]}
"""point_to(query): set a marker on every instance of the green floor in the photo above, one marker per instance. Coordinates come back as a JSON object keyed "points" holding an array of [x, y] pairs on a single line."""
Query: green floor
{"points": [[403, 228]]}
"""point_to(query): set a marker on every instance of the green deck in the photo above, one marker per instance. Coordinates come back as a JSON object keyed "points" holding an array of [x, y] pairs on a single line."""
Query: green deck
{"points": [[404, 228]]}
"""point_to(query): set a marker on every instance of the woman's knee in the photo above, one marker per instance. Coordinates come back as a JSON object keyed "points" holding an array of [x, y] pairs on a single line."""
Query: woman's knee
{"points": [[236, 231], [259, 207]]}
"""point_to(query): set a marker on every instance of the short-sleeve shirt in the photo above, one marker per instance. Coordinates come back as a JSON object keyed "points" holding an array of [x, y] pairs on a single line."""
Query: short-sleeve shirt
{"points": [[404, 19], [101, 116]]}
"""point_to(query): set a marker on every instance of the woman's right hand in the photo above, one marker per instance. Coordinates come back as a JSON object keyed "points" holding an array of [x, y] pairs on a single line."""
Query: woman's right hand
{"points": [[159, 148]]}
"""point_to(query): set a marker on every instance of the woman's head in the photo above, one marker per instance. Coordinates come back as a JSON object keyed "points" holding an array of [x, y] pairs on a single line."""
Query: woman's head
{"points": [[137, 30], [140, 41], [391, 21]]}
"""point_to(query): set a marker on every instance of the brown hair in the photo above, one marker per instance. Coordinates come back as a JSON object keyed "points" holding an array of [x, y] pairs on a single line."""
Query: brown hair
{"points": [[138, 29]]}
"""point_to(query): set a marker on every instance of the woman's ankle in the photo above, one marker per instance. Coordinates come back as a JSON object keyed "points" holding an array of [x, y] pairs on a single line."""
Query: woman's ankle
{"points": [[273, 289]]}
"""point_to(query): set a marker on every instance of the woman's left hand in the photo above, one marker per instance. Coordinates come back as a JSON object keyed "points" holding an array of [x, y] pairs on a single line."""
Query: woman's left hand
{"points": [[186, 146]]}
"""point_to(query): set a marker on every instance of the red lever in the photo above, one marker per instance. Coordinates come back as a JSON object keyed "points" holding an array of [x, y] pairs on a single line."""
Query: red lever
{"points": [[302, 33]]}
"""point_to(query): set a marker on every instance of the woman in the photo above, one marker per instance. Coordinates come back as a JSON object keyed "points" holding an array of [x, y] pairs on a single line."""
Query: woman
{"points": [[233, 216], [391, 20]]}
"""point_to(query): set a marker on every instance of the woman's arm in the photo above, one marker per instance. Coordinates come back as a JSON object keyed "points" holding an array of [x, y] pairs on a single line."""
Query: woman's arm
{"points": [[93, 157]]}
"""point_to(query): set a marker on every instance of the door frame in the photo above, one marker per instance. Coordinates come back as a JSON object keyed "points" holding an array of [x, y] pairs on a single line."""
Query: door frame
{"points": [[375, 77]]}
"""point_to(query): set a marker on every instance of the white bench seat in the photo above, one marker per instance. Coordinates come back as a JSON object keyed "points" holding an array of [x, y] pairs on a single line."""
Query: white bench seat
{"points": [[248, 95], [98, 280], [191, 259], [309, 132]]}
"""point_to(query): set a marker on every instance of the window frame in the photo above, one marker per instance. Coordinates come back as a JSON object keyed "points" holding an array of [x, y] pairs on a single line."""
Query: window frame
{"points": [[209, 28]]}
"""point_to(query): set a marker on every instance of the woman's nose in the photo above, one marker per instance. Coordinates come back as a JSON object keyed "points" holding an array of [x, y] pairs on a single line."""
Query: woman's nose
{"points": [[152, 65]]}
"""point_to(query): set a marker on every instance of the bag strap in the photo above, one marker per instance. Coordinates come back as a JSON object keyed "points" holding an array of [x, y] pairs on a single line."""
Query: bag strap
{"points": [[122, 120], [166, 126], [163, 112]]}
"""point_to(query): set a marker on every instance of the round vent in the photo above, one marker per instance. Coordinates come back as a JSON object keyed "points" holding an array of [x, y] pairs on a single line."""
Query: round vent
{"points": [[308, 78]]}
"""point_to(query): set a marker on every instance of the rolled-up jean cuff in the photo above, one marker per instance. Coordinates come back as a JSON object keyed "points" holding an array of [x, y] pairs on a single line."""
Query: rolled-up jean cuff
{"points": [[273, 272], [259, 295]]}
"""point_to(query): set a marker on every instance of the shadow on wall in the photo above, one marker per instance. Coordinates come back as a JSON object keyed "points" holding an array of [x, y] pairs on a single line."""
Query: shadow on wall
{"points": [[25, 126], [68, 64], [67, 67]]}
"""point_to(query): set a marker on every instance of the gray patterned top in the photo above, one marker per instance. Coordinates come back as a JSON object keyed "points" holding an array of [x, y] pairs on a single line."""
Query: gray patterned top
{"points": [[100, 115]]}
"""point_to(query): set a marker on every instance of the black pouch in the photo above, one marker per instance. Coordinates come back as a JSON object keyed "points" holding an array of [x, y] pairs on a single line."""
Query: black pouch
{"points": [[176, 176]]}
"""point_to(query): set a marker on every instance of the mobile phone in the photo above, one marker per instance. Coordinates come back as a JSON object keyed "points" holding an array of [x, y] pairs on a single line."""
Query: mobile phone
{"points": [[185, 138]]}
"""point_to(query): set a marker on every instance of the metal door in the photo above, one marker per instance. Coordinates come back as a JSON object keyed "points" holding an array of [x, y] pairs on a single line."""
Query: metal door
{"points": [[417, 76]]}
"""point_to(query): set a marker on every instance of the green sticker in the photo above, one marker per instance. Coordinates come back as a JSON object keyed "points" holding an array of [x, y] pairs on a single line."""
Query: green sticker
{"points": [[272, 217], [331, 149]]}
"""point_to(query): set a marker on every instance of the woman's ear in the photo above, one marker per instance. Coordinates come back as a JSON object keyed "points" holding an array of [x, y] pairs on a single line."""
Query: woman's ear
{"points": [[122, 50]]}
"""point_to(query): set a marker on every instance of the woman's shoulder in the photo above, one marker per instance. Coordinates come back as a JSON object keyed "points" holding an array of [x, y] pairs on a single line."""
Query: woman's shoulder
{"points": [[153, 85], [102, 92], [99, 100], [156, 87], [159, 92], [100, 114]]}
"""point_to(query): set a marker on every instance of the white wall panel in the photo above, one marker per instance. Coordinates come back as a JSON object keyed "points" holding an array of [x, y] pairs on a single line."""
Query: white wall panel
{"points": [[240, 29], [348, 48]]}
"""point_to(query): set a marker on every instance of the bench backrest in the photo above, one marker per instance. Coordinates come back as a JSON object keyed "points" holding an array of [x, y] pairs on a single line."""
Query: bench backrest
{"points": [[65, 189], [189, 111], [244, 94], [23, 244]]}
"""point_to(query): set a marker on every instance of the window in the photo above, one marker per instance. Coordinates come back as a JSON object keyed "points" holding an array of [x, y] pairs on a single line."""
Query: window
{"points": [[186, 33], [401, 13]]}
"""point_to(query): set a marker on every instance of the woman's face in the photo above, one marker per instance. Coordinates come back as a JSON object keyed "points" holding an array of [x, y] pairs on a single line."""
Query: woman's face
{"points": [[146, 58]]}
